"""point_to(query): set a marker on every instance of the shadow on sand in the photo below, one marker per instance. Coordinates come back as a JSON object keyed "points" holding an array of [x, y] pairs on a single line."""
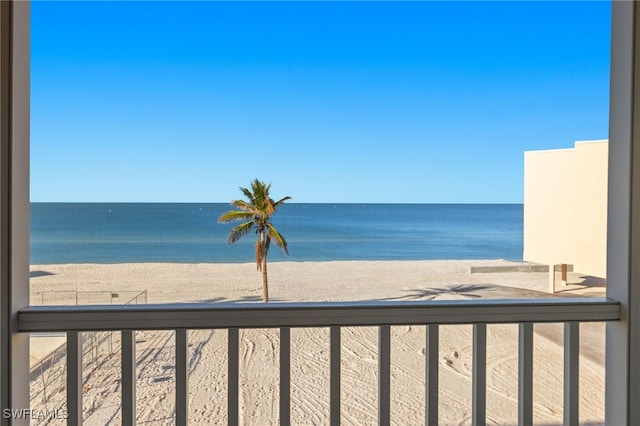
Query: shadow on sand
{"points": [[464, 290], [593, 285], [35, 274], [591, 281], [473, 291]]}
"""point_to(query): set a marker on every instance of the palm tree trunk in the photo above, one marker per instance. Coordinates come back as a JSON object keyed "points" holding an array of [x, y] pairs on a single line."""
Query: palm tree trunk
{"points": [[263, 265], [265, 285]]}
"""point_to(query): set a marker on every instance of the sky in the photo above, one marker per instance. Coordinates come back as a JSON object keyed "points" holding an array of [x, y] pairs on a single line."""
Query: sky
{"points": [[363, 102]]}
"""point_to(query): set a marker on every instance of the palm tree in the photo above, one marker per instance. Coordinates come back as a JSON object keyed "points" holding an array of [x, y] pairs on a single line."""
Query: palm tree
{"points": [[256, 211]]}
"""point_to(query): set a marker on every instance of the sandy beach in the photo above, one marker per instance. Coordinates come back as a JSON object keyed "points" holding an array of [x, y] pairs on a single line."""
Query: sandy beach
{"points": [[322, 281]]}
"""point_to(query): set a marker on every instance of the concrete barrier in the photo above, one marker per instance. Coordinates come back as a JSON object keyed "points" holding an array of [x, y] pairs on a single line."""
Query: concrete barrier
{"points": [[533, 267]]}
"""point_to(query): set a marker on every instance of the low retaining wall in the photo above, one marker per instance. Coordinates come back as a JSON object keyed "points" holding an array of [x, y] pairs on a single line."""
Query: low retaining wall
{"points": [[534, 267]]}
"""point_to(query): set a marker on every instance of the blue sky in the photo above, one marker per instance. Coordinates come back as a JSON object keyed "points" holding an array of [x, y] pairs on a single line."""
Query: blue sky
{"points": [[419, 102]]}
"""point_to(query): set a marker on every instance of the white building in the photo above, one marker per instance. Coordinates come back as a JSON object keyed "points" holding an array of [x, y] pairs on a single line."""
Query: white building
{"points": [[565, 207]]}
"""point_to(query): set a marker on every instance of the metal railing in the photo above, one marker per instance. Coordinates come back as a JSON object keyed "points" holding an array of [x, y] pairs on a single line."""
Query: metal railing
{"points": [[284, 316]]}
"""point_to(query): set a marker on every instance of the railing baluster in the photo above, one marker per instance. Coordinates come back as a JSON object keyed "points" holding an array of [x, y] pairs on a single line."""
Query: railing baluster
{"points": [[384, 375], [334, 384], [182, 378], [525, 374], [431, 375], [285, 376], [571, 371], [479, 411], [74, 378], [128, 377], [233, 372]]}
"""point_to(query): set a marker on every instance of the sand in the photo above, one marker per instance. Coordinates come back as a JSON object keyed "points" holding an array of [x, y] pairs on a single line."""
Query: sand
{"points": [[319, 281]]}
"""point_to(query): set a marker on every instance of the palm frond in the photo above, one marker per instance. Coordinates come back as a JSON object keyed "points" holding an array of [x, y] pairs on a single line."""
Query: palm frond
{"points": [[234, 215], [278, 238], [260, 187], [283, 199], [239, 231], [247, 193], [244, 205], [280, 202], [260, 195]]}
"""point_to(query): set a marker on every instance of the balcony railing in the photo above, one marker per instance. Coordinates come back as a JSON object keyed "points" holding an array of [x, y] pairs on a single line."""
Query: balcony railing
{"points": [[284, 316]]}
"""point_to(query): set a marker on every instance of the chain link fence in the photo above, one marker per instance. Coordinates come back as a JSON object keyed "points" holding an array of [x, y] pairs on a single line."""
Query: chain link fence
{"points": [[73, 297], [48, 375]]}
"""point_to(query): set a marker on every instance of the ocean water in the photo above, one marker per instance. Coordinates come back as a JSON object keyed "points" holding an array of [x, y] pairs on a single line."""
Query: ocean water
{"points": [[185, 232]]}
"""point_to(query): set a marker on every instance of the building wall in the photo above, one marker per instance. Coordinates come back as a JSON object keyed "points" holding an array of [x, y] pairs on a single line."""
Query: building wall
{"points": [[565, 207]]}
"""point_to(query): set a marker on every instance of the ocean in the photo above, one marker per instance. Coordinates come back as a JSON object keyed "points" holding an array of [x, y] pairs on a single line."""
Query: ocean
{"points": [[190, 232]]}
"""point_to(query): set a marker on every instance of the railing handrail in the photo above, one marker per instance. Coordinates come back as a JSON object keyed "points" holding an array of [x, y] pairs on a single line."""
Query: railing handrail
{"points": [[271, 315]]}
